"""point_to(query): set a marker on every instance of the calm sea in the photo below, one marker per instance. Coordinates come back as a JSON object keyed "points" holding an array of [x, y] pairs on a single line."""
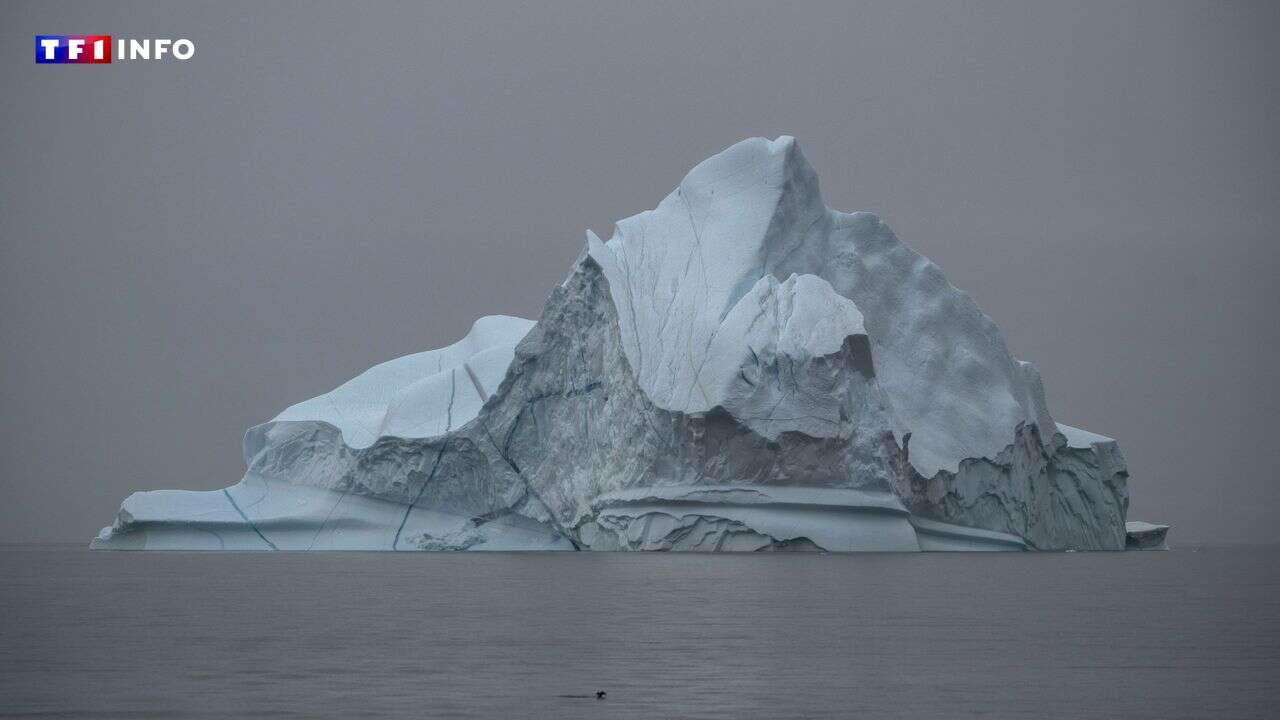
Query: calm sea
{"points": [[1180, 634]]}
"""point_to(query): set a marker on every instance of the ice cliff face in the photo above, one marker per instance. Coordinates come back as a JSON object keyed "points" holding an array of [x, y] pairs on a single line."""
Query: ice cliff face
{"points": [[740, 368]]}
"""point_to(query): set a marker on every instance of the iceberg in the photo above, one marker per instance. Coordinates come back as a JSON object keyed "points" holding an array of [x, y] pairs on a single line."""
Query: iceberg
{"points": [[739, 369], [1145, 536]]}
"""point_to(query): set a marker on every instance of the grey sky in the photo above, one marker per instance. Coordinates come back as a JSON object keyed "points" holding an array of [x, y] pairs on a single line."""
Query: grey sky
{"points": [[187, 248]]}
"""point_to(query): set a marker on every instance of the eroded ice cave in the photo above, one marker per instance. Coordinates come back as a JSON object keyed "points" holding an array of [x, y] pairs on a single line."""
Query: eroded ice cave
{"points": [[740, 368]]}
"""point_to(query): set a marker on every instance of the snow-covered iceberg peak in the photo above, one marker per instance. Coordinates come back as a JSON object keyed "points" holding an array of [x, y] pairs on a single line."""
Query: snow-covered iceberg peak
{"points": [[678, 272]]}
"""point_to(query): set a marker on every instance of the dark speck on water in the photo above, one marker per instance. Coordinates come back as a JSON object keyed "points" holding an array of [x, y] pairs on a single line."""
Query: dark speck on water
{"points": [[473, 635]]}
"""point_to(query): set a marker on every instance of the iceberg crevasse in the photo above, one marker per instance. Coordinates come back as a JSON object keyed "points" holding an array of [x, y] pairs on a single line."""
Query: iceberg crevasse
{"points": [[740, 368]]}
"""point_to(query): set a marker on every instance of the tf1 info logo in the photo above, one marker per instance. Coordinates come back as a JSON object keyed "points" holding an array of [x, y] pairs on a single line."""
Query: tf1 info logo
{"points": [[96, 49]]}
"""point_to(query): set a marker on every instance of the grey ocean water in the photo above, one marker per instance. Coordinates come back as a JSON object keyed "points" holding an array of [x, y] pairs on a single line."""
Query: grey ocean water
{"points": [[1192, 634]]}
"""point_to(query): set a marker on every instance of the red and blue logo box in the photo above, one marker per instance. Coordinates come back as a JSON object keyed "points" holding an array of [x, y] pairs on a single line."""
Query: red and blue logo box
{"points": [[73, 49]]}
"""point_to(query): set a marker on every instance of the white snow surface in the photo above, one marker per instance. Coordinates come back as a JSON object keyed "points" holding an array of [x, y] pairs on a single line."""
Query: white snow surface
{"points": [[1078, 438], [420, 395]]}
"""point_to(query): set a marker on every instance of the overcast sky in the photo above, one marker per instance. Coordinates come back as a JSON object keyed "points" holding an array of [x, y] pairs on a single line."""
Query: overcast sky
{"points": [[188, 247]]}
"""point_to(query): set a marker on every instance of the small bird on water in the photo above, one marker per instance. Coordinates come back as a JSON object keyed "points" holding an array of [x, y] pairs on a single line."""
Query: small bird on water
{"points": [[600, 695]]}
